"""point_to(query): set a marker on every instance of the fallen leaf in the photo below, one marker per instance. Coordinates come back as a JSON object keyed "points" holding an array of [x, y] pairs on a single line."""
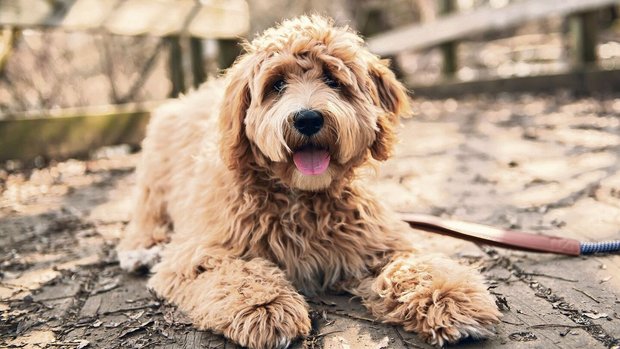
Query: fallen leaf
{"points": [[595, 316], [137, 315]]}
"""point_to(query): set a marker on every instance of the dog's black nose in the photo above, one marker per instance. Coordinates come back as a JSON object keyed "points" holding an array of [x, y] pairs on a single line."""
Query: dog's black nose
{"points": [[308, 122]]}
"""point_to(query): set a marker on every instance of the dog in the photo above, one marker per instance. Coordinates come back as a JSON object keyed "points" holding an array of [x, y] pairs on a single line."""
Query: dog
{"points": [[249, 190]]}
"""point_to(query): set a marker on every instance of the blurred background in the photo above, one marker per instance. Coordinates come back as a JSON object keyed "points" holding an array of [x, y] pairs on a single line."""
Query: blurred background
{"points": [[45, 67], [64, 58]]}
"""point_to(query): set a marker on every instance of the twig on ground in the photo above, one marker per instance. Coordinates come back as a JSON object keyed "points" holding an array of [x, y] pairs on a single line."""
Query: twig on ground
{"points": [[549, 276], [586, 294], [555, 325], [56, 298], [412, 344], [14, 286], [355, 317], [122, 310], [327, 333], [141, 327]]}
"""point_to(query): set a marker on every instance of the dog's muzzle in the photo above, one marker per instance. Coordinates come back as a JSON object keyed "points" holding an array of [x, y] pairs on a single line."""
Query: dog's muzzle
{"points": [[310, 159]]}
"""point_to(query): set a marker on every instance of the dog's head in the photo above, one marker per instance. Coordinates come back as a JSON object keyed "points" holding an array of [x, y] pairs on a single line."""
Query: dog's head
{"points": [[309, 103]]}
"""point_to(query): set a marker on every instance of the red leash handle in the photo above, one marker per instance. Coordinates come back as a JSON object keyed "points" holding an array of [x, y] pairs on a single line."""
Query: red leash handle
{"points": [[494, 236]]}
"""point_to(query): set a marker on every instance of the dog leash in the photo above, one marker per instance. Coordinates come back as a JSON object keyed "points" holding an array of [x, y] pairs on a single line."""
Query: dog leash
{"points": [[508, 238]]}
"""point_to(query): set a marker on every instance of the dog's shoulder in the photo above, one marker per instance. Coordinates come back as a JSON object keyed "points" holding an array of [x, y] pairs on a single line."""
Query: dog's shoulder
{"points": [[201, 103], [187, 117]]}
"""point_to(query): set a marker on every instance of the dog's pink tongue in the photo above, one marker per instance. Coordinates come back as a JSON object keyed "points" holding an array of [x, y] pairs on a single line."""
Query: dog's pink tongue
{"points": [[311, 161]]}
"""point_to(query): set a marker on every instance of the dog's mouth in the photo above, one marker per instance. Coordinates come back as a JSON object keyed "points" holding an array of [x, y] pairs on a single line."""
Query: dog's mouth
{"points": [[311, 160]]}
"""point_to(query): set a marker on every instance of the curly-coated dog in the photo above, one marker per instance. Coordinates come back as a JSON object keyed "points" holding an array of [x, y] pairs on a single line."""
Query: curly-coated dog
{"points": [[248, 190]]}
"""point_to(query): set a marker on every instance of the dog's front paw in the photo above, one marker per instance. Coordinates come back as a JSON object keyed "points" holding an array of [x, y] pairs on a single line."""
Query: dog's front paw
{"points": [[441, 300], [272, 325], [142, 258], [451, 316]]}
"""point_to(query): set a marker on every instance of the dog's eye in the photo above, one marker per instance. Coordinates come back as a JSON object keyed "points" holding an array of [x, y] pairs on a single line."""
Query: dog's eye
{"points": [[279, 85], [331, 82]]}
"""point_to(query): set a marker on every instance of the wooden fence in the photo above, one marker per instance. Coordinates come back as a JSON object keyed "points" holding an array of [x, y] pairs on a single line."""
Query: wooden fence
{"points": [[72, 133], [75, 132], [224, 20], [454, 27]]}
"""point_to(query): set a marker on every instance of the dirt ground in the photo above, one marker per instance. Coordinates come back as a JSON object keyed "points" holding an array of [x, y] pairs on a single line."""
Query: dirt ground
{"points": [[544, 164]]}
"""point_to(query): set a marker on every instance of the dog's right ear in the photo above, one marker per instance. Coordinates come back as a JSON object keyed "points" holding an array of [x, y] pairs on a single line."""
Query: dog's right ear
{"points": [[234, 144], [392, 97]]}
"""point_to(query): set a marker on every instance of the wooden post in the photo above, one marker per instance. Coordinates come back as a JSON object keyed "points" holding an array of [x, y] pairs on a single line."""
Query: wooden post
{"points": [[175, 66], [583, 34], [198, 68], [371, 22], [448, 49], [8, 36], [228, 51]]}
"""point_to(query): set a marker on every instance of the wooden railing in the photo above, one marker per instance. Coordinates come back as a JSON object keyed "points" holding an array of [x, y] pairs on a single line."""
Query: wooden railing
{"points": [[224, 20], [453, 27], [75, 132], [72, 132]]}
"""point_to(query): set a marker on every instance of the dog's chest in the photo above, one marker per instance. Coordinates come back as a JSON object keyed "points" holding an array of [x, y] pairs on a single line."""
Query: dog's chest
{"points": [[318, 240], [319, 251]]}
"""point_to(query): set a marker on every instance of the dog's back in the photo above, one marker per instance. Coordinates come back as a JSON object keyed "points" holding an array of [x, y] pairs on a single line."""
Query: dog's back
{"points": [[180, 132]]}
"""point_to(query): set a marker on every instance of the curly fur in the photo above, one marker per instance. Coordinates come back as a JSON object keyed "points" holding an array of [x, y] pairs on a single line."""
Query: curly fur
{"points": [[244, 231]]}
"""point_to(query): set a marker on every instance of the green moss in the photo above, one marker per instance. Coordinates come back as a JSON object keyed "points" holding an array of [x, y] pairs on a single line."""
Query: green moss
{"points": [[70, 136]]}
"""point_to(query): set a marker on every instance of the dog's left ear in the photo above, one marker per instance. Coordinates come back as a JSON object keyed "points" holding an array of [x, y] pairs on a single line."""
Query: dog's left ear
{"points": [[392, 97], [234, 145]]}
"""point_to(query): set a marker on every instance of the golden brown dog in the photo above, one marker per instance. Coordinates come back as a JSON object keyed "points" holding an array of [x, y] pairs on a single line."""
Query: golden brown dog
{"points": [[255, 175]]}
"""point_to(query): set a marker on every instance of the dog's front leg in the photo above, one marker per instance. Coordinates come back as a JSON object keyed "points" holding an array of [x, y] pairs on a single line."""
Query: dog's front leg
{"points": [[432, 295], [250, 302]]}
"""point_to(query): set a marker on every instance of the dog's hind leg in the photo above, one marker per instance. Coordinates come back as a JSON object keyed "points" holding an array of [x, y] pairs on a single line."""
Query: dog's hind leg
{"points": [[248, 301], [148, 229], [432, 295]]}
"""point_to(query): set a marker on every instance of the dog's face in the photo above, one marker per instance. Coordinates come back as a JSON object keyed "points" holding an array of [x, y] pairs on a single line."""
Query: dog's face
{"points": [[308, 103]]}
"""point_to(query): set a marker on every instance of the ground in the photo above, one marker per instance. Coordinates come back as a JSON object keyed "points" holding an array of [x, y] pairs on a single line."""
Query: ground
{"points": [[547, 164]]}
